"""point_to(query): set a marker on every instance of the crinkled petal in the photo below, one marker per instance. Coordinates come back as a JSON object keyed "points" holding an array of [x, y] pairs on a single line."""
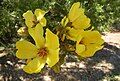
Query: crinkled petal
{"points": [[52, 57], [90, 50], [81, 22], [37, 35], [52, 40], [35, 65], [80, 48], [26, 50], [43, 21], [92, 37], [39, 14], [75, 12]]}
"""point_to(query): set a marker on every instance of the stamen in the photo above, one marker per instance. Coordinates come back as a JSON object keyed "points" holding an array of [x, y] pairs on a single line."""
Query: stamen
{"points": [[69, 24], [42, 52]]}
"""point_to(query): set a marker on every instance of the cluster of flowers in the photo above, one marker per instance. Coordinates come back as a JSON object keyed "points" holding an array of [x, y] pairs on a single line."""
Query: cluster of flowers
{"points": [[46, 48]]}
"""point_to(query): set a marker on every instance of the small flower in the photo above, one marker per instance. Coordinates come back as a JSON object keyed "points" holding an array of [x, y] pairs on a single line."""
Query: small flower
{"points": [[76, 18], [35, 23], [75, 21], [88, 43], [31, 20], [40, 54]]}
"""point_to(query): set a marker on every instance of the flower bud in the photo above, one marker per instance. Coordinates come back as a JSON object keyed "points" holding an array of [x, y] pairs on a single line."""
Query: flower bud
{"points": [[23, 31]]}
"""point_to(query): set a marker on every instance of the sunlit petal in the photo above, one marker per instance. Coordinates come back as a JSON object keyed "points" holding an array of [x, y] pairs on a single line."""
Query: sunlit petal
{"points": [[52, 57], [37, 35], [25, 50], [74, 34], [29, 18], [52, 40], [92, 37], [43, 21], [29, 23], [35, 65], [75, 12], [90, 50], [28, 15], [81, 22], [80, 48], [39, 14]]}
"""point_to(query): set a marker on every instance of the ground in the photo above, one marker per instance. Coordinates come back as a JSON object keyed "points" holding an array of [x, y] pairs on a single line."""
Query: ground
{"points": [[103, 66]]}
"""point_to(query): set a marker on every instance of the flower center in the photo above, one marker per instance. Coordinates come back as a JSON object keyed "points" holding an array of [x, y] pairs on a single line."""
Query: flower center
{"points": [[42, 52]]}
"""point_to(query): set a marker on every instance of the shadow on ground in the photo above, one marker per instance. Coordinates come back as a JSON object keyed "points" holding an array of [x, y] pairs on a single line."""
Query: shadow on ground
{"points": [[105, 62]]}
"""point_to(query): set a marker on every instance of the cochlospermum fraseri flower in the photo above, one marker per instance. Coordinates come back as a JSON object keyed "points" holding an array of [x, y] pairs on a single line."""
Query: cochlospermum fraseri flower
{"points": [[88, 43], [31, 20], [35, 23], [39, 54], [75, 21]]}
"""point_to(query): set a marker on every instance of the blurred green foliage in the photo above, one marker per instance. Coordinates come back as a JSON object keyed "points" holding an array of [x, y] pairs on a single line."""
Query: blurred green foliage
{"points": [[103, 14]]}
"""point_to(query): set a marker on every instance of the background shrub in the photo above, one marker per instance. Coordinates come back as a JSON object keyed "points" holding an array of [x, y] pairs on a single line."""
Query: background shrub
{"points": [[103, 14]]}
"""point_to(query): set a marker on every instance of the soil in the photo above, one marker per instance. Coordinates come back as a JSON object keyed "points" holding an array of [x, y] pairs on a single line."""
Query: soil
{"points": [[103, 66]]}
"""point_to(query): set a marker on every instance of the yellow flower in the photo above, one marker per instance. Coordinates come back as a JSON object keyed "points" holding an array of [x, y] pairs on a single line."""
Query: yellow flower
{"points": [[88, 43], [73, 34], [35, 23], [76, 18], [75, 22], [31, 20], [39, 54]]}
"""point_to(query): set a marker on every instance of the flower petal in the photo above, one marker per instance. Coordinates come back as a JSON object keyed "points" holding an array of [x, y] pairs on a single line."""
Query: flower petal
{"points": [[74, 34], [80, 48], [90, 50], [37, 35], [35, 65], [52, 40], [43, 21], [75, 12], [26, 50], [39, 14], [92, 37], [29, 23], [81, 22], [28, 15], [29, 18], [52, 57]]}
